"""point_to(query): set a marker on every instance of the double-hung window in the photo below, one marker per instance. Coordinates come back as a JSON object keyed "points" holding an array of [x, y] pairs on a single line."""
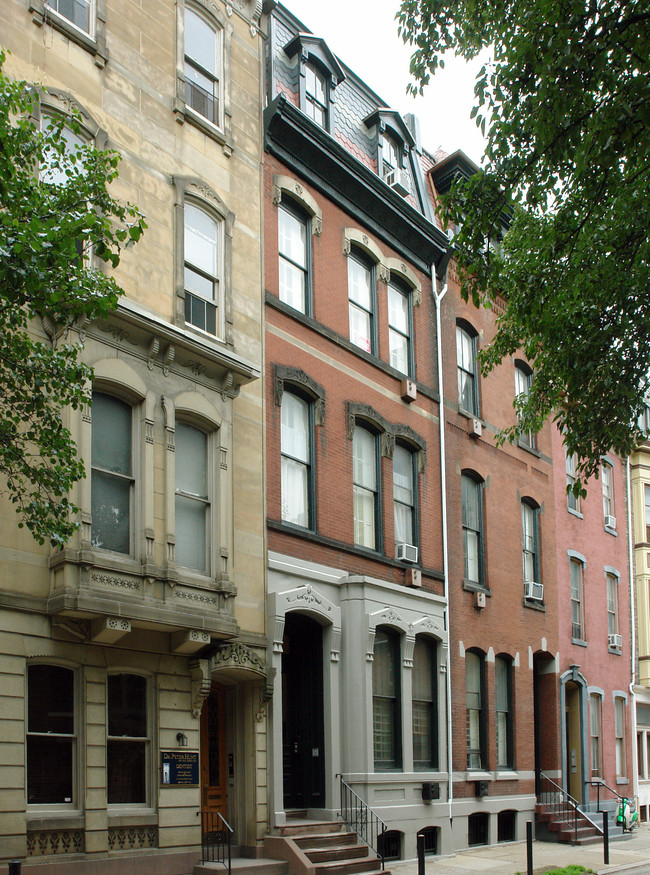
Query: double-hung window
{"points": [[202, 268], [316, 95], [192, 506], [294, 244], [646, 501], [386, 700], [404, 495], [577, 605], [365, 488], [607, 478], [77, 12], [202, 64], [423, 710], [296, 449], [467, 371], [399, 327], [389, 156], [596, 731], [361, 293], [51, 735], [619, 728], [530, 546], [472, 511], [112, 480], [612, 604], [503, 697], [523, 382], [127, 747], [475, 712], [573, 500]]}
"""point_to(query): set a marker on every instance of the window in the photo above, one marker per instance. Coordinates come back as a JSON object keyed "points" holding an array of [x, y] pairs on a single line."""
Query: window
{"points": [[366, 488], [399, 327], [296, 450], [612, 604], [477, 828], [523, 381], [316, 95], [573, 501], [293, 244], [471, 497], [201, 269], [192, 502], [577, 617], [506, 826], [77, 12], [530, 532], [431, 835], [361, 293], [389, 844], [51, 735], [389, 155], [503, 697], [127, 747], [425, 753], [112, 481], [646, 495], [595, 730], [202, 64], [607, 477], [386, 705], [467, 371], [404, 486], [619, 728], [56, 167], [476, 730]]}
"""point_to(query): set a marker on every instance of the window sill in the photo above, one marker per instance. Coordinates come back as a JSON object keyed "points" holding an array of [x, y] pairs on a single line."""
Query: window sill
{"points": [[469, 415], [580, 642], [617, 651], [532, 450], [55, 820], [185, 113], [506, 775], [473, 586], [611, 531], [575, 513], [478, 776], [534, 605], [622, 780]]}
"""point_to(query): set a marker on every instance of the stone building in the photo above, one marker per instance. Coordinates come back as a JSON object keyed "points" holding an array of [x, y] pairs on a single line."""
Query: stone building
{"points": [[141, 646]]}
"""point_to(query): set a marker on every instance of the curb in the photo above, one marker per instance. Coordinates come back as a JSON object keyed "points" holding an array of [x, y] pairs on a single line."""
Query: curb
{"points": [[624, 867]]}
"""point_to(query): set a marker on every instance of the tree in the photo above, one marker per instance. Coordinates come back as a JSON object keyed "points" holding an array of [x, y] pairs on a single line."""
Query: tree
{"points": [[47, 230], [565, 102]]}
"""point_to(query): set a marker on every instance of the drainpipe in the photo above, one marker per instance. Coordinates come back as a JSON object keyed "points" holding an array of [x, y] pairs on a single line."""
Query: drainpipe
{"points": [[630, 548], [445, 547]]}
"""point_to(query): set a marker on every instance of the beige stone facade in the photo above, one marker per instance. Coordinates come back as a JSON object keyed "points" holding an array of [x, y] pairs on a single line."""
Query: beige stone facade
{"points": [[134, 627]]}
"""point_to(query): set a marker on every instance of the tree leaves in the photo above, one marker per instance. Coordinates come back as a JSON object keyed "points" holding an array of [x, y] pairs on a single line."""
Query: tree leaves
{"points": [[566, 103], [47, 231]]}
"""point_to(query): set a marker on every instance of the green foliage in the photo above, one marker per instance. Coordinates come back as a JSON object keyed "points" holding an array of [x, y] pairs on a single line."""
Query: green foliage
{"points": [[565, 101], [43, 276]]}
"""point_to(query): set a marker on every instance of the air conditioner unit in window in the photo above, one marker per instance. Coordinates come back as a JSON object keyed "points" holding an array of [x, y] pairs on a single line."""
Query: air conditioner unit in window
{"points": [[610, 521], [533, 591], [399, 181], [407, 553], [615, 640]]}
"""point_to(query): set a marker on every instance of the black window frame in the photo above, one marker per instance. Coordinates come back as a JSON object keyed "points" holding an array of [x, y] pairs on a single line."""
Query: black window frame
{"points": [[482, 749], [470, 477], [291, 389], [395, 764], [49, 729], [507, 662], [358, 256], [120, 746], [378, 498], [289, 206], [472, 335], [432, 657]]}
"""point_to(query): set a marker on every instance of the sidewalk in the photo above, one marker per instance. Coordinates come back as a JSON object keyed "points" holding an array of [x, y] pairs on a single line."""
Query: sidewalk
{"points": [[630, 854]]}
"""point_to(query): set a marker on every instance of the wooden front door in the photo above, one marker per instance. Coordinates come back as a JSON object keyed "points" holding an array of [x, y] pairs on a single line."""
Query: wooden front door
{"points": [[214, 779]]}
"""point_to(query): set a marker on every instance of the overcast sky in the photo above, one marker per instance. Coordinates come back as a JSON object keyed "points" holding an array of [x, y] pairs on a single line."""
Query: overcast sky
{"points": [[363, 34]]}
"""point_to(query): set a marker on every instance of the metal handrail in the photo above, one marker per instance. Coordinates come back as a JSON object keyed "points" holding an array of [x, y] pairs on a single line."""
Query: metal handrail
{"points": [[216, 839], [598, 782], [563, 806], [361, 818]]}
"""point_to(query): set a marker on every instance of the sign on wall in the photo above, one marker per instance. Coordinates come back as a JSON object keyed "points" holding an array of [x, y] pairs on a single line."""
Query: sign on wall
{"points": [[179, 768]]}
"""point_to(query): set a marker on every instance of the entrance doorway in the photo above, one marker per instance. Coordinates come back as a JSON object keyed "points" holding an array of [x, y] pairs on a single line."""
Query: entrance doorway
{"points": [[214, 779], [573, 735], [302, 713]]}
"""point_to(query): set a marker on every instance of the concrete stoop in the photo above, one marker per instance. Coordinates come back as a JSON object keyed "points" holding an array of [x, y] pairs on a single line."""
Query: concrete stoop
{"points": [[552, 827], [322, 848]]}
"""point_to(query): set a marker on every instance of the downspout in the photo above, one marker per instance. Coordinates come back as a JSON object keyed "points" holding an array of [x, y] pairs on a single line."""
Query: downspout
{"points": [[443, 488], [630, 559]]}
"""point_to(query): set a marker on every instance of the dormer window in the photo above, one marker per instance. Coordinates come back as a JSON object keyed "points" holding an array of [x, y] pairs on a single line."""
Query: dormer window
{"points": [[394, 141], [318, 75], [389, 156], [316, 95]]}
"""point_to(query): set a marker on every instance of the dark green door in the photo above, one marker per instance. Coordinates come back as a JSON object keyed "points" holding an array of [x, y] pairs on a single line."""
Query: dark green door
{"points": [[302, 713]]}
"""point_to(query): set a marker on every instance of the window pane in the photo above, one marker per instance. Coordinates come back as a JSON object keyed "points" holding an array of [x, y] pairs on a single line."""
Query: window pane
{"points": [[294, 492], [127, 705], [111, 434], [200, 41], [76, 11], [200, 240], [292, 238], [398, 310], [295, 427], [360, 328], [470, 548], [292, 286], [110, 507], [191, 532], [49, 769], [364, 518], [363, 451], [50, 699], [54, 166], [383, 675], [199, 285], [470, 501], [191, 460], [359, 284], [126, 763], [403, 475], [385, 685], [398, 350]]}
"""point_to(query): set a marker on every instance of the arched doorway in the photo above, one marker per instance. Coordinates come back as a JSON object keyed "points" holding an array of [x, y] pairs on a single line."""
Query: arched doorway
{"points": [[213, 753], [303, 759]]}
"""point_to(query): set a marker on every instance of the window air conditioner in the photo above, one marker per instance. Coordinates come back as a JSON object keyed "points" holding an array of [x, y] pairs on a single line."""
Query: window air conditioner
{"points": [[407, 553], [610, 521], [615, 640], [533, 591], [399, 181]]}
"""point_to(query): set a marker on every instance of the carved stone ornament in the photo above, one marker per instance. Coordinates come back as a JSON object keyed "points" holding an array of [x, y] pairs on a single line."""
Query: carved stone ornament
{"points": [[426, 624], [370, 645], [237, 656], [409, 645], [306, 595], [335, 650], [383, 274], [201, 684], [300, 378], [387, 445]]}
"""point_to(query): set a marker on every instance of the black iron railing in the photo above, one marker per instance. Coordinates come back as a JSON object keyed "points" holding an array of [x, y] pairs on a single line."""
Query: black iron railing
{"points": [[562, 806], [362, 819], [216, 839], [598, 783]]}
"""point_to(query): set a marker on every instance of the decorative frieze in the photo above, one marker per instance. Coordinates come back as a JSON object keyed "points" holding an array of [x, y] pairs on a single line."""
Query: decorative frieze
{"points": [[127, 838], [115, 581], [45, 842]]}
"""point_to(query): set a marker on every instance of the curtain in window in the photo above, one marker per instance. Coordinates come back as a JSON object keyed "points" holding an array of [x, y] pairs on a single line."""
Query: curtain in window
{"points": [[403, 495], [295, 460], [365, 487]]}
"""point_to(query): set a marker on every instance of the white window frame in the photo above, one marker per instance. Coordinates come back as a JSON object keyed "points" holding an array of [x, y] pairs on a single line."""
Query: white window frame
{"points": [[297, 215], [206, 501], [411, 507], [306, 464], [361, 489], [620, 713], [140, 807], [93, 40], [607, 479], [596, 734], [467, 368], [523, 382], [577, 593], [571, 461]]}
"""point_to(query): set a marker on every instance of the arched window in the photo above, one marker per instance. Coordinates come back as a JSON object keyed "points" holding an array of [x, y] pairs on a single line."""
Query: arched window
{"points": [[112, 480], [202, 66], [366, 488], [294, 247], [362, 293], [530, 541], [203, 253], [386, 700], [192, 509], [467, 370], [424, 705]]}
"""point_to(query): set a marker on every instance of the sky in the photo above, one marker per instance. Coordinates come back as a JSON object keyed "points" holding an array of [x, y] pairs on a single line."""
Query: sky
{"points": [[363, 34]]}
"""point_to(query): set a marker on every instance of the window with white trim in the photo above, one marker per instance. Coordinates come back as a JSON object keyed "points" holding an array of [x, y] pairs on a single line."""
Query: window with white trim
{"points": [[362, 297], [619, 729], [404, 496], [112, 477], [192, 504], [294, 243], [607, 479], [400, 319], [573, 500], [530, 548], [316, 95], [202, 66], [202, 268], [596, 733], [51, 735], [128, 743], [296, 451], [467, 371], [365, 488], [523, 382], [83, 22], [576, 570], [78, 12], [612, 604]]}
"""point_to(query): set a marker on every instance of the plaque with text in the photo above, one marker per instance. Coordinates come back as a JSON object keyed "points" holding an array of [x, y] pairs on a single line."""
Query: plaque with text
{"points": [[179, 768]]}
